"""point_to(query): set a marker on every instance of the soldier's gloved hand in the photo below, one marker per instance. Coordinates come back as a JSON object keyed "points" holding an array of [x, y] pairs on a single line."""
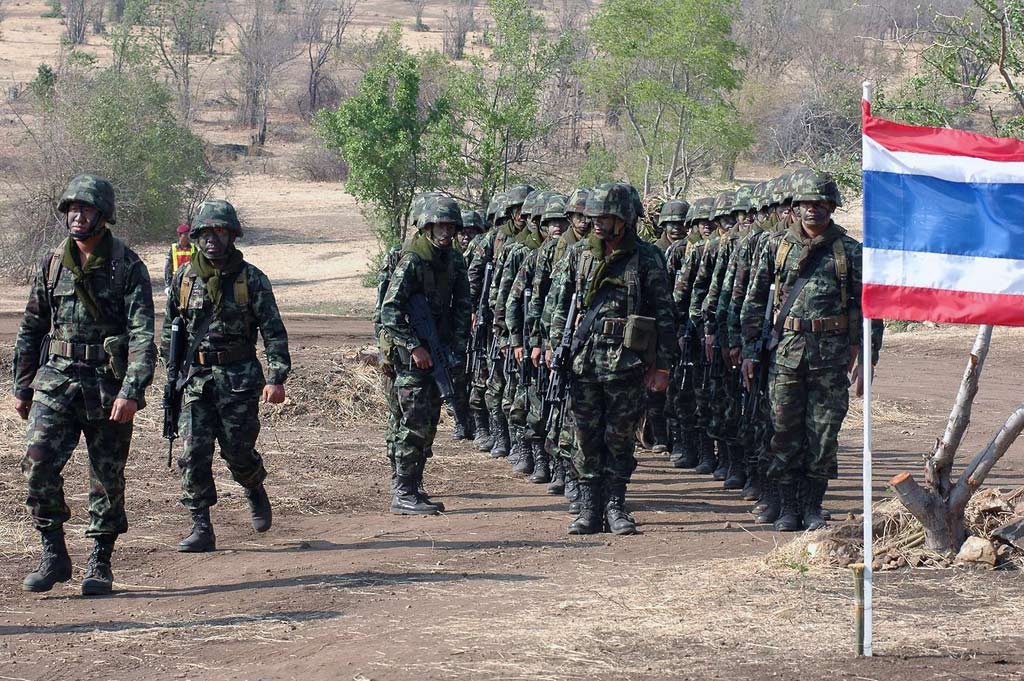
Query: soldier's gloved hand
{"points": [[421, 358], [535, 355], [517, 352], [23, 407], [747, 369], [656, 380], [123, 410], [274, 394]]}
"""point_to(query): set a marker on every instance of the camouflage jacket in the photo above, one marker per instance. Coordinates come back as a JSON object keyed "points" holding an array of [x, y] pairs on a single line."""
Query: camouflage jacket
{"points": [[549, 301], [720, 281], [638, 285], [516, 318], [505, 273], [821, 298], [682, 290], [451, 309], [127, 314], [703, 279], [488, 249], [233, 329], [747, 257]]}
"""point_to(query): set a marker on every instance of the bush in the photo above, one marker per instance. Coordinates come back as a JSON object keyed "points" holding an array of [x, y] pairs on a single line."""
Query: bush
{"points": [[316, 163]]}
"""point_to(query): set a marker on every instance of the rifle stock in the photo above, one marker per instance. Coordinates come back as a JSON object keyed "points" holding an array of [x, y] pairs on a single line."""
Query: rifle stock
{"points": [[172, 394]]}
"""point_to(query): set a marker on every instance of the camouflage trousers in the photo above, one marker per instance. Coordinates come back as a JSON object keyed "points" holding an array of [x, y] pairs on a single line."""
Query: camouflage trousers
{"points": [[229, 419], [478, 388], [419, 410], [606, 415], [562, 435], [394, 415], [52, 437], [494, 394], [808, 408], [726, 407], [682, 400]]}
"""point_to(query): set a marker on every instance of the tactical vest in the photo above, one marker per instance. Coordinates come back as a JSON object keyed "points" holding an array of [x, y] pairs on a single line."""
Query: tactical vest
{"points": [[631, 274], [117, 274], [188, 280], [842, 270]]}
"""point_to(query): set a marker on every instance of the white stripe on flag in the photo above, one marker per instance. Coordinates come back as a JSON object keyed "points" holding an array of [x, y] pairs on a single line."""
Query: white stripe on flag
{"points": [[950, 168], [941, 271]]}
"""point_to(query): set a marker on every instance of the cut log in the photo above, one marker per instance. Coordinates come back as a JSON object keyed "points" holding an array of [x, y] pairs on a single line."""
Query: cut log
{"points": [[1012, 533]]}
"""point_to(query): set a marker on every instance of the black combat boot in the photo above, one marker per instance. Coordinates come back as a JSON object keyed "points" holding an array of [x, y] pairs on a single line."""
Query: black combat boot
{"points": [[541, 465], [572, 488], [483, 440], [259, 507], [557, 484], [521, 456], [54, 564], [99, 579], [789, 516], [458, 430], [691, 449], [615, 517], [768, 509], [499, 431], [813, 494], [659, 431], [708, 462], [202, 539], [407, 499], [722, 469], [752, 490], [678, 450], [421, 491], [590, 519], [736, 478]]}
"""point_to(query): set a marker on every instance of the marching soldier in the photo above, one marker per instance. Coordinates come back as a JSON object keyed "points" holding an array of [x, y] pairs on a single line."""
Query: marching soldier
{"points": [[223, 301], [180, 253], [82, 362]]}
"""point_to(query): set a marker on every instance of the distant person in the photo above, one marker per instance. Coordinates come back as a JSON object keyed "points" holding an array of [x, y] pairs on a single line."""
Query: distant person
{"points": [[92, 297], [180, 254]]}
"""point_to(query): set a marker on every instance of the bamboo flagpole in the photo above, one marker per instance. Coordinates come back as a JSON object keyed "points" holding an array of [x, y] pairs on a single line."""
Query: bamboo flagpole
{"points": [[866, 473]]}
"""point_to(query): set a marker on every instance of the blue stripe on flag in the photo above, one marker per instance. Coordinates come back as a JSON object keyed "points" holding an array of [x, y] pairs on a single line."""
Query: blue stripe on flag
{"points": [[921, 213]]}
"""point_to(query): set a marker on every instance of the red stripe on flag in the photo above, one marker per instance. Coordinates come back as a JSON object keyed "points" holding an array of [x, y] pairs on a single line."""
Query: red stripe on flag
{"points": [[938, 305], [939, 141]]}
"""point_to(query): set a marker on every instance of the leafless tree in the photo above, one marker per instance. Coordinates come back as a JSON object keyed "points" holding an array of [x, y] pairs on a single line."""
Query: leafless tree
{"points": [[418, 6], [457, 24], [3, 15], [322, 26], [97, 8], [76, 19], [264, 41], [181, 30]]}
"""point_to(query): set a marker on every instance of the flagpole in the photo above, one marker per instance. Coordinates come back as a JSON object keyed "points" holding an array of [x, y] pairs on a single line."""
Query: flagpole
{"points": [[867, 473]]}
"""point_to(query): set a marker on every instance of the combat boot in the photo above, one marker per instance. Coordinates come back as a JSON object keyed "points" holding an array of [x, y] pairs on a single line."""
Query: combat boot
{"points": [[458, 430], [557, 484], [708, 462], [724, 455], [616, 519], [752, 490], [678, 449], [789, 515], [499, 431], [659, 432], [99, 579], [407, 500], [737, 475], [691, 450], [202, 539], [259, 508], [421, 490], [541, 465], [54, 564], [521, 456], [590, 520], [572, 488], [770, 506], [813, 495], [483, 440]]}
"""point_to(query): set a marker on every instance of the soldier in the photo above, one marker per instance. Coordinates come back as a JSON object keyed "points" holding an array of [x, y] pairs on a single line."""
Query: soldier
{"points": [[82, 362], [472, 229], [816, 269], [181, 252], [223, 300], [430, 267], [624, 343]]}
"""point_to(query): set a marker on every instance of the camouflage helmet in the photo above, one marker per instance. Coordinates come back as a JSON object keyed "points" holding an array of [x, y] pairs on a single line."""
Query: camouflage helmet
{"points": [[759, 196], [744, 198], [416, 208], [778, 193], [530, 204], [675, 210], [724, 204], [215, 213], [92, 190], [516, 196], [613, 198], [704, 208], [578, 201], [471, 219], [638, 202], [816, 186], [554, 209], [793, 179], [441, 209], [492, 207]]}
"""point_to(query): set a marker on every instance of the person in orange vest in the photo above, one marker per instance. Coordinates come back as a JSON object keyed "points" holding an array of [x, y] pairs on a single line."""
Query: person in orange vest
{"points": [[181, 253]]}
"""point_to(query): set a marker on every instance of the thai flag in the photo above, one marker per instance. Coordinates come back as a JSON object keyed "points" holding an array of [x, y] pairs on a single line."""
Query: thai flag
{"points": [[943, 225]]}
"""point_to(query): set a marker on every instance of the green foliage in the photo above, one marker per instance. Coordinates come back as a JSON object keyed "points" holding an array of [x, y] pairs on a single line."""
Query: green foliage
{"points": [[42, 85], [393, 138], [53, 10], [600, 165]]}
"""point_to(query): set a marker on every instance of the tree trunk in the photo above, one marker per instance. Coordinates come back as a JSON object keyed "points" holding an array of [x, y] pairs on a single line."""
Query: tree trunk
{"points": [[943, 524]]}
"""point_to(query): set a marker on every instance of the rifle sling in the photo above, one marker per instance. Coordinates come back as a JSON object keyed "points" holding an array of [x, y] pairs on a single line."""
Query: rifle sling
{"points": [[579, 338], [798, 286], [185, 373]]}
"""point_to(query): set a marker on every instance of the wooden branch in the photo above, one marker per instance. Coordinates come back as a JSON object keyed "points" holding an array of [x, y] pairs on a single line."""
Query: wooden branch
{"points": [[1001, 62], [938, 468], [975, 473], [913, 496]]}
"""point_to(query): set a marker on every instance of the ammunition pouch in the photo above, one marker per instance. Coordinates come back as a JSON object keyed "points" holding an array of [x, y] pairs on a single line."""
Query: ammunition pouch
{"points": [[117, 348], [640, 334], [221, 357]]}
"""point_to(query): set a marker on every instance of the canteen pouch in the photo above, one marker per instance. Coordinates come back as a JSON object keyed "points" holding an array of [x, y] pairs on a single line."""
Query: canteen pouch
{"points": [[641, 336], [116, 348]]}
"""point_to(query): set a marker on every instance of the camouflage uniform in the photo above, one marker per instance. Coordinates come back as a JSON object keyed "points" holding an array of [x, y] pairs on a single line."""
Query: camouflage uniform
{"points": [[439, 274], [220, 401], [606, 394], [99, 318]]}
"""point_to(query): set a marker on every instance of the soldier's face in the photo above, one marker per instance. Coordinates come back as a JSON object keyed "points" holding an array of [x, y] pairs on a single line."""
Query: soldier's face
{"points": [[705, 228], [727, 222], [676, 231], [517, 216], [816, 215], [748, 219], [465, 236], [608, 227], [442, 234], [215, 242], [580, 224], [82, 218], [556, 227]]}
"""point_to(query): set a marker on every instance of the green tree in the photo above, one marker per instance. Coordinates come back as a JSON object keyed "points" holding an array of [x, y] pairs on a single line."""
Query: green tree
{"points": [[393, 137], [667, 68]]}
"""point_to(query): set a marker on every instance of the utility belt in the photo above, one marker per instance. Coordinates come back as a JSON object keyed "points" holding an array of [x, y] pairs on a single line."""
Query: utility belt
{"points": [[210, 358], [80, 352], [634, 332], [826, 326], [614, 327]]}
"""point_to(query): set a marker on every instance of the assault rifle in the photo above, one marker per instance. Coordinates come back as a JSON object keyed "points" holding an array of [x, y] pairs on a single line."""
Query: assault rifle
{"points": [[445, 362], [172, 394], [478, 343], [526, 366], [717, 365], [759, 389], [686, 363], [561, 362]]}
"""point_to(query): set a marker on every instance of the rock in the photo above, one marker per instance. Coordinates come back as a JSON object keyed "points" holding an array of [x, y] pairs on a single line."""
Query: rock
{"points": [[370, 356], [993, 502], [977, 550], [1011, 533]]}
